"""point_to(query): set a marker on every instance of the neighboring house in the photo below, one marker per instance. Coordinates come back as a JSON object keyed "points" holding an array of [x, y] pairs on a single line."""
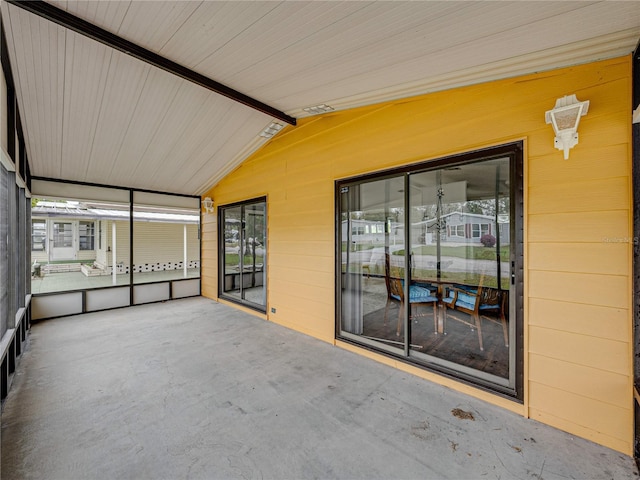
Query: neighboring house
{"points": [[76, 232], [455, 227], [468, 228], [371, 232]]}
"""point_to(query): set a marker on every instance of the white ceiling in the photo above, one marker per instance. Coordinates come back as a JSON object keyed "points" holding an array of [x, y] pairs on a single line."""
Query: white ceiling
{"points": [[93, 114]]}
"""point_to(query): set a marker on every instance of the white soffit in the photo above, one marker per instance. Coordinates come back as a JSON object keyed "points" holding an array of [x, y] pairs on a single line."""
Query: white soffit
{"points": [[96, 115], [349, 53]]}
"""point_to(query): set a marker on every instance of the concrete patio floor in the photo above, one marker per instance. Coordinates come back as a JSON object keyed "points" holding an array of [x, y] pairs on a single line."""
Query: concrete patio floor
{"points": [[195, 389]]}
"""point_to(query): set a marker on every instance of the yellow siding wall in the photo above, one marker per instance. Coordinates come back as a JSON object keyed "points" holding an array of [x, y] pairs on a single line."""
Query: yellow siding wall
{"points": [[577, 323], [209, 261]]}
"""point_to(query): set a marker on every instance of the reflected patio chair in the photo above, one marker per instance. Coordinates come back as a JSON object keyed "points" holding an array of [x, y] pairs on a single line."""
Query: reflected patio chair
{"points": [[418, 295], [467, 302], [476, 304], [494, 304]]}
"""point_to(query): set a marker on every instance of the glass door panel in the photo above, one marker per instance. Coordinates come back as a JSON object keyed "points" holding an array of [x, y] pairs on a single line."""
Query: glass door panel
{"points": [[244, 229], [428, 264], [460, 250], [232, 245], [253, 271], [372, 262], [62, 241]]}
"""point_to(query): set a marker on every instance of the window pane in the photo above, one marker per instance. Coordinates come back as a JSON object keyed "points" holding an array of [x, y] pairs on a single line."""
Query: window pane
{"points": [[86, 235], [38, 235]]}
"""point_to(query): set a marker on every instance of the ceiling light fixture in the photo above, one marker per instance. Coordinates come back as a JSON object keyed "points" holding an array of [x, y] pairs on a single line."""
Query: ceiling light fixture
{"points": [[271, 130], [318, 109], [565, 118]]}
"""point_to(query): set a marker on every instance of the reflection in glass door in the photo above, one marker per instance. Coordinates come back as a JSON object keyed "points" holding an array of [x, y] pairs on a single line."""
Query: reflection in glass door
{"points": [[372, 238], [460, 250], [428, 260], [243, 241]]}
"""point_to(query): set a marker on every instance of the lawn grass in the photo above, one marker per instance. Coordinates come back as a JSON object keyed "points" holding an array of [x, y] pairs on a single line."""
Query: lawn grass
{"points": [[234, 259], [474, 252]]}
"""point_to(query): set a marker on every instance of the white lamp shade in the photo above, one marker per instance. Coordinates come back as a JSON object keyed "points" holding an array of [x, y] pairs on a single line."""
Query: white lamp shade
{"points": [[565, 118]]}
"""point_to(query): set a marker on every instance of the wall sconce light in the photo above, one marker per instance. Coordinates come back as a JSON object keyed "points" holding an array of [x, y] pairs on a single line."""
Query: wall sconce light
{"points": [[565, 118], [207, 203]]}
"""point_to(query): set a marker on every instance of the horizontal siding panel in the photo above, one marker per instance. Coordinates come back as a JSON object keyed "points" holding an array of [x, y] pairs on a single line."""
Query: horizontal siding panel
{"points": [[307, 199], [588, 382], [209, 228], [297, 216], [310, 263], [209, 293], [599, 419], [611, 126], [232, 196], [584, 196], [583, 350], [609, 161], [324, 249], [600, 438], [210, 253], [578, 318], [578, 227], [302, 313], [313, 327], [210, 275], [303, 291], [279, 273], [609, 258], [591, 289], [287, 231]]}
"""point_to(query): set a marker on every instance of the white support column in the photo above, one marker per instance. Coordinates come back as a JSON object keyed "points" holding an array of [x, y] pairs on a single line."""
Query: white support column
{"points": [[184, 261], [113, 252]]}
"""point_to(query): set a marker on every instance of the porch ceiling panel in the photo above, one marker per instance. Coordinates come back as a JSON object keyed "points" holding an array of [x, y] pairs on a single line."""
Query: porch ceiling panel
{"points": [[297, 54], [100, 116], [94, 114]]}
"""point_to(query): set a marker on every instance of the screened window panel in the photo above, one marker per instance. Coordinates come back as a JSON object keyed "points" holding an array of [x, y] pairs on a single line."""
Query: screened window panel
{"points": [[22, 247], [4, 253], [166, 238]]}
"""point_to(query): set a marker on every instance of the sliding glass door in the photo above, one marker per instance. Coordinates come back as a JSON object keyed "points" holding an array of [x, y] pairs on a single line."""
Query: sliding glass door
{"points": [[243, 230], [428, 260]]}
